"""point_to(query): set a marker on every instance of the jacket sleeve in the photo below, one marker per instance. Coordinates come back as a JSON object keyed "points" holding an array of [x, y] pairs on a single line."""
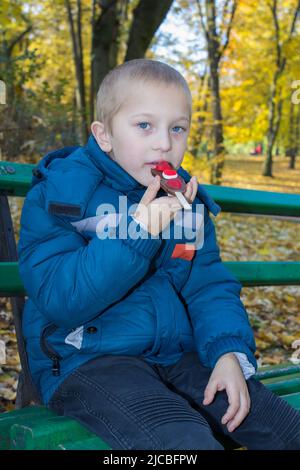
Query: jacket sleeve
{"points": [[212, 297], [72, 281]]}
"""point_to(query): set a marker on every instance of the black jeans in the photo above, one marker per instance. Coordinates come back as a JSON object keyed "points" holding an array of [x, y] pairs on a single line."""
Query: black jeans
{"points": [[133, 405]]}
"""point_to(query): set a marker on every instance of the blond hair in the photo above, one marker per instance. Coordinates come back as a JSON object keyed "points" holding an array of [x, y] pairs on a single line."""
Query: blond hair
{"points": [[112, 91]]}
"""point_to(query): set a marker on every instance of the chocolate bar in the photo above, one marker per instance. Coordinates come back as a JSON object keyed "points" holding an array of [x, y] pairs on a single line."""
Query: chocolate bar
{"points": [[171, 182]]}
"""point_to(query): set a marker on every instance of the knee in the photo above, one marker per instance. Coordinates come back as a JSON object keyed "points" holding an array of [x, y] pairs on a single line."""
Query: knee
{"points": [[192, 438]]}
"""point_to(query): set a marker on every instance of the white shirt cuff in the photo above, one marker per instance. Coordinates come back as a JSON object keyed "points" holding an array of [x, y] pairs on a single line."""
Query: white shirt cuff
{"points": [[246, 366]]}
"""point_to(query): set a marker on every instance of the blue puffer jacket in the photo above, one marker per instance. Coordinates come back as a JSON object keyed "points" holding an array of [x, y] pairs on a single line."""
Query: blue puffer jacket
{"points": [[89, 296]]}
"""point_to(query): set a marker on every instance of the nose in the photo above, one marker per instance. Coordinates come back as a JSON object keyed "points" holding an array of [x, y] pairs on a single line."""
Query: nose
{"points": [[163, 141]]}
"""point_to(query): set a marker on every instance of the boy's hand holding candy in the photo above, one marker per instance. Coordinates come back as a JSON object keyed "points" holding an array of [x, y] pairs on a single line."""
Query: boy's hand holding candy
{"points": [[156, 213]]}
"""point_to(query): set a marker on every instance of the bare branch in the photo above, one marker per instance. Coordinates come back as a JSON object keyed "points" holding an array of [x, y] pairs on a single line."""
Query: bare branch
{"points": [[288, 40], [293, 25], [229, 26], [19, 38], [198, 3], [72, 28], [79, 33], [274, 12], [281, 59], [224, 12], [105, 4]]}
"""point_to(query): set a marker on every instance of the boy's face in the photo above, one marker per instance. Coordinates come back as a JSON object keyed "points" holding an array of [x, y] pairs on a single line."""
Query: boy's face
{"points": [[152, 125]]}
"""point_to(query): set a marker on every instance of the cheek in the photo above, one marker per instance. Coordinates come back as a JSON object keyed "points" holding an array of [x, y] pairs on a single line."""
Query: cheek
{"points": [[131, 155]]}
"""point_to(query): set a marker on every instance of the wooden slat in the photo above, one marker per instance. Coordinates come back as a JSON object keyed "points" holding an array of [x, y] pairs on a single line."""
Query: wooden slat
{"points": [[9, 418], [17, 183], [10, 280], [255, 202], [48, 434], [279, 370], [293, 399], [230, 199], [283, 385], [265, 273]]}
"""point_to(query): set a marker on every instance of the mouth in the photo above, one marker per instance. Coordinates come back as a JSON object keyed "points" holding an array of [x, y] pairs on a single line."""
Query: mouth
{"points": [[153, 164]]}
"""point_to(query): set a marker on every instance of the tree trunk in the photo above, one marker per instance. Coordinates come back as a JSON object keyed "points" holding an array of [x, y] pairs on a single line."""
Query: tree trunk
{"points": [[9, 74], [105, 34], [216, 46], [6, 51], [214, 59], [147, 17], [291, 145], [79, 70], [219, 154], [296, 143], [292, 162], [267, 168], [203, 95], [281, 60]]}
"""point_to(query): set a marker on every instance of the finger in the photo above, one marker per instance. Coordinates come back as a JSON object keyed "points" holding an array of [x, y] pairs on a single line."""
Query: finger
{"points": [[195, 187], [188, 191], [209, 392], [240, 415], [234, 406], [151, 191], [191, 191], [175, 205], [175, 208]]}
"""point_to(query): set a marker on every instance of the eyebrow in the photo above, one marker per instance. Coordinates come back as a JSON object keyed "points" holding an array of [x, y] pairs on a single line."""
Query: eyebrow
{"points": [[152, 115]]}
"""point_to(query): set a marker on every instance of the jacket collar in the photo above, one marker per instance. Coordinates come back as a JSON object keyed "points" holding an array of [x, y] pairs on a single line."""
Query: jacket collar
{"points": [[72, 175], [113, 174]]}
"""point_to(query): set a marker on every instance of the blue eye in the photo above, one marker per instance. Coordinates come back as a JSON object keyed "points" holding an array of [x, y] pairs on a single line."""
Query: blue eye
{"points": [[143, 124], [179, 127]]}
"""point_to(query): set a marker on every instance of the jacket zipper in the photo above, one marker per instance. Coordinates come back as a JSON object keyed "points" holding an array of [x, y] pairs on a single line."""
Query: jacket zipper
{"points": [[53, 355]]}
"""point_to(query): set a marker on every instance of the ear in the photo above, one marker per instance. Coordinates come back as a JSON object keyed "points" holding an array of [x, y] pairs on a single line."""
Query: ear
{"points": [[102, 137]]}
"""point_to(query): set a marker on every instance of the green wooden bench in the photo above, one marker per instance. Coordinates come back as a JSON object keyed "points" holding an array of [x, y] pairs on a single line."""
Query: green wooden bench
{"points": [[33, 426]]}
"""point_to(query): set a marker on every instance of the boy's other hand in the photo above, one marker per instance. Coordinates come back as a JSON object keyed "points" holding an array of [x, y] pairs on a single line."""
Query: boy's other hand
{"points": [[227, 375], [157, 213]]}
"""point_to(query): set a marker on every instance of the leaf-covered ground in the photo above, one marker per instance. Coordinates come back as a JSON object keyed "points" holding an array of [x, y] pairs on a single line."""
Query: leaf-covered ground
{"points": [[274, 312]]}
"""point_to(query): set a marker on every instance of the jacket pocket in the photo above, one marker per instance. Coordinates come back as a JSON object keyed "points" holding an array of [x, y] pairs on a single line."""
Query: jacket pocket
{"points": [[48, 350]]}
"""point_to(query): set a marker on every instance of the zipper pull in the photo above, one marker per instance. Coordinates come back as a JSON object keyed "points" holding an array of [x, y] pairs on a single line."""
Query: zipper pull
{"points": [[55, 366]]}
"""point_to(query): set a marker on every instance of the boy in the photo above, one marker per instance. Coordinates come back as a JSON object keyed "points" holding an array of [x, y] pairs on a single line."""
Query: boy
{"points": [[142, 338]]}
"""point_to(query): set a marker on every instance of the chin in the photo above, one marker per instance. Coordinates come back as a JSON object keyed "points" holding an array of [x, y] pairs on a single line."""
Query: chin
{"points": [[145, 180]]}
